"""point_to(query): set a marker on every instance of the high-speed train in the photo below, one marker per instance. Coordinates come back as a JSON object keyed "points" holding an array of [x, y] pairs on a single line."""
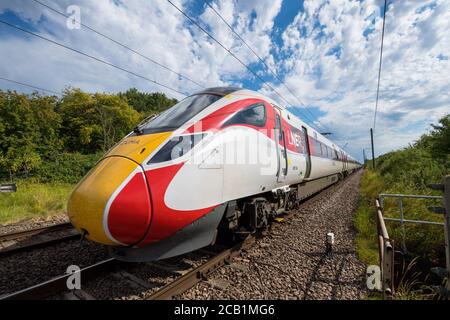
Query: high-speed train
{"points": [[221, 160]]}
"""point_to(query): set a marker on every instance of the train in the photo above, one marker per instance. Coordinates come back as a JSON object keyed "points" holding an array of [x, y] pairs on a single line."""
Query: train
{"points": [[223, 161]]}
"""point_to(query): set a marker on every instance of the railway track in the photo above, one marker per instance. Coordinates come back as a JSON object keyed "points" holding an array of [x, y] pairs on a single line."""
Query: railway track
{"points": [[186, 280], [168, 282], [20, 241]]}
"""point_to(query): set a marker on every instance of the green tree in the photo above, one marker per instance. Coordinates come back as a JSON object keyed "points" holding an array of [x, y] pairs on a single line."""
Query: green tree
{"points": [[147, 103], [94, 122], [437, 142], [115, 117], [19, 132], [49, 125]]}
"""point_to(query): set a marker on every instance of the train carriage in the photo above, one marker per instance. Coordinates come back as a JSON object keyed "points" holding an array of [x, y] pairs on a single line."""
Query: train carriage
{"points": [[224, 159]]}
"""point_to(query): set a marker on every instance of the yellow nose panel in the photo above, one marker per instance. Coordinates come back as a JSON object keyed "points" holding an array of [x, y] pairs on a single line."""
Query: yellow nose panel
{"points": [[139, 147], [89, 198], [88, 201]]}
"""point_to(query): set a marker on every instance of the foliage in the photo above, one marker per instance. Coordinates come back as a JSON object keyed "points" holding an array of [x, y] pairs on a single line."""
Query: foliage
{"points": [[437, 143], [94, 122], [66, 167], [51, 139], [364, 219], [48, 143], [407, 171], [147, 103], [28, 131]]}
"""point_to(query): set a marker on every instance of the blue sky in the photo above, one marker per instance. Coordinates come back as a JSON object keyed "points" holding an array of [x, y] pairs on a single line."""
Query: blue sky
{"points": [[326, 53]]}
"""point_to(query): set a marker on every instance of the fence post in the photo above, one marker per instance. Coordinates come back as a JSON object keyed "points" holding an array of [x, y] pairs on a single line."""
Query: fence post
{"points": [[446, 201], [386, 253]]}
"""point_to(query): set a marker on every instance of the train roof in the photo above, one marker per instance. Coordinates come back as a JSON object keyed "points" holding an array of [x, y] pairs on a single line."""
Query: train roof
{"points": [[293, 118], [221, 91]]}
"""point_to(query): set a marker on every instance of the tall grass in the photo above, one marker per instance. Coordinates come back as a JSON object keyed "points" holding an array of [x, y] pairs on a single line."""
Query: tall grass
{"points": [[364, 219], [423, 244], [33, 200]]}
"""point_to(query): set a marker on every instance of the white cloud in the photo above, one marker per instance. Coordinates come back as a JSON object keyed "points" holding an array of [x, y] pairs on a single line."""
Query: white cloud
{"points": [[414, 81], [330, 56]]}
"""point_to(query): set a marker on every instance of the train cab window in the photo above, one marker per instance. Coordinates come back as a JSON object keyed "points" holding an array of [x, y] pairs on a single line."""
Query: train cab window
{"points": [[179, 114], [254, 115]]}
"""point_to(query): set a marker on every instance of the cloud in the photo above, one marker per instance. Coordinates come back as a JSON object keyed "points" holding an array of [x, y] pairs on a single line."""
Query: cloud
{"points": [[328, 55], [414, 88]]}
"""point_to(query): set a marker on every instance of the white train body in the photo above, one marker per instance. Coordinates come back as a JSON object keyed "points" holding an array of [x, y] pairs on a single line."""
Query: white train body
{"points": [[205, 160]]}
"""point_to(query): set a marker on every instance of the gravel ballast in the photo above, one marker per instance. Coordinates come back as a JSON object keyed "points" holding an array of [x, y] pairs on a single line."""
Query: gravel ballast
{"points": [[291, 261], [33, 223]]}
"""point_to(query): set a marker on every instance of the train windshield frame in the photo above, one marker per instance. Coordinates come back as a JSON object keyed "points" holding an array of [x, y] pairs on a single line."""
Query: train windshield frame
{"points": [[179, 114]]}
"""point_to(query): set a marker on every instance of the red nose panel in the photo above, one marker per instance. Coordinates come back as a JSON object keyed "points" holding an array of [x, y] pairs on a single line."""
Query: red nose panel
{"points": [[130, 212]]}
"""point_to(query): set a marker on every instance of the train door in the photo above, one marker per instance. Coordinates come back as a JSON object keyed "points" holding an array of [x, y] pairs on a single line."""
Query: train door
{"points": [[307, 152], [281, 146]]}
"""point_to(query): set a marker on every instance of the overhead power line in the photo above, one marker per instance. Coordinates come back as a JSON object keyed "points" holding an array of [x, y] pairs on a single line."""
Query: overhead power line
{"points": [[92, 57], [379, 67], [30, 86], [231, 53], [119, 43], [274, 73]]}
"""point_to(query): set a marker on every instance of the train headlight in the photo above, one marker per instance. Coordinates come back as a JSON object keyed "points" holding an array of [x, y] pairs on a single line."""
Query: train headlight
{"points": [[177, 147]]}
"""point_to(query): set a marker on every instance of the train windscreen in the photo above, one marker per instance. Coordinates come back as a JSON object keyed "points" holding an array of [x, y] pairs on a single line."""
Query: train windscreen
{"points": [[179, 114]]}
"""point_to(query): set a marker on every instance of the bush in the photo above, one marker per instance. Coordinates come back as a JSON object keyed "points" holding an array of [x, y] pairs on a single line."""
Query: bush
{"points": [[66, 167]]}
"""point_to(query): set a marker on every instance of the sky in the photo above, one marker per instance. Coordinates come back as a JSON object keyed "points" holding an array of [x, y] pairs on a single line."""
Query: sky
{"points": [[326, 54]]}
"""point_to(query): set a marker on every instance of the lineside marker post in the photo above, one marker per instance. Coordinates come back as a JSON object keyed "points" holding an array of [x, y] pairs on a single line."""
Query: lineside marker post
{"points": [[8, 187]]}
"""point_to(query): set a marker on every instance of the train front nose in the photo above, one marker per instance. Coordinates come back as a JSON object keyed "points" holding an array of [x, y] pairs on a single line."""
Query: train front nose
{"points": [[112, 203]]}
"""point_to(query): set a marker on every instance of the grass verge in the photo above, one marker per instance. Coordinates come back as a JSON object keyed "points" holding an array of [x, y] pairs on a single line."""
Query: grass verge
{"points": [[33, 200]]}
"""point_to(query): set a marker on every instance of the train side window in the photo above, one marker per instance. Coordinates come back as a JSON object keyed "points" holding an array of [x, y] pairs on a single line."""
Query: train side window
{"points": [[254, 115], [317, 148]]}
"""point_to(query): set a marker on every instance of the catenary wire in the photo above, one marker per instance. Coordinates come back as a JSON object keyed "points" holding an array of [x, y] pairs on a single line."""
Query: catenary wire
{"points": [[274, 73], [379, 67], [232, 54], [92, 57], [30, 86], [120, 44]]}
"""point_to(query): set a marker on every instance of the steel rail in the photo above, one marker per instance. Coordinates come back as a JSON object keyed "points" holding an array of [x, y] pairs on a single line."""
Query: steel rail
{"points": [[59, 284], [16, 236], [200, 273], [32, 232], [36, 245]]}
